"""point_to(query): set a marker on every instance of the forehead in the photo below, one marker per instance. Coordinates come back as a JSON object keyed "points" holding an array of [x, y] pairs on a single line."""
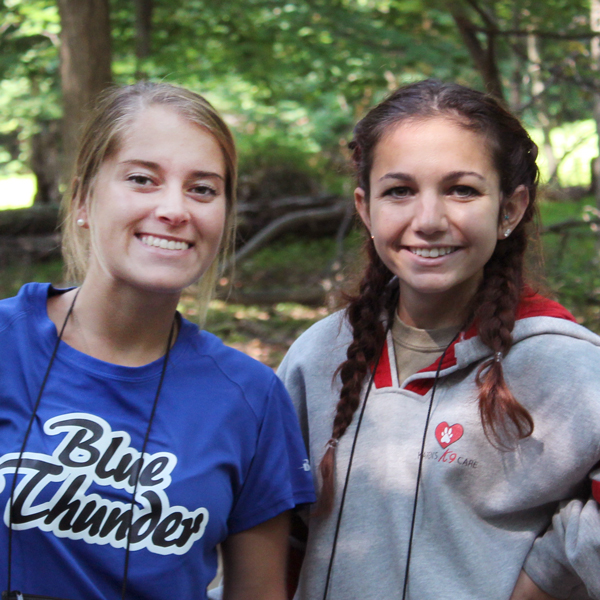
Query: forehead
{"points": [[161, 134], [433, 144]]}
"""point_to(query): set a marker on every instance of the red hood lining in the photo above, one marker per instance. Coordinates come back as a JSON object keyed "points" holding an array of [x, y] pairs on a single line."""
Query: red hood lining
{"points": [[532, 305]]}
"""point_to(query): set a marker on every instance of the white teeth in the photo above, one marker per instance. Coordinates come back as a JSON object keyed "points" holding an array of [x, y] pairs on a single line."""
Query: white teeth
{"points": [[433, 252], [157, 242]]}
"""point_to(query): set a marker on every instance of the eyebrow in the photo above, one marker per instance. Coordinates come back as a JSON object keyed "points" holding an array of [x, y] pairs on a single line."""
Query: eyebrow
{"points": [[156, 167], [448, 177]]}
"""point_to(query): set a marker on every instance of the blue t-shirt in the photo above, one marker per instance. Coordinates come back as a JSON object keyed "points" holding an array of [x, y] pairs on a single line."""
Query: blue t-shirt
{"points": [[224, 454]]}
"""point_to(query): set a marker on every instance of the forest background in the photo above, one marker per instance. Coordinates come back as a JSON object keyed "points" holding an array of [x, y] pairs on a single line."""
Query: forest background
{"points": [[292, 78]]}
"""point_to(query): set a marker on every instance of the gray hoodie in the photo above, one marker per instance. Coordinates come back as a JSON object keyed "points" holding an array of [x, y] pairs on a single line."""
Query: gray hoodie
{"points": [[569, 552], [480, 508]]}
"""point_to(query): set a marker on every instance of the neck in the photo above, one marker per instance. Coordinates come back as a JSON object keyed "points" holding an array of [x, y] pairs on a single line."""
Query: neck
{"points": [[433, 311], [120, 326]]}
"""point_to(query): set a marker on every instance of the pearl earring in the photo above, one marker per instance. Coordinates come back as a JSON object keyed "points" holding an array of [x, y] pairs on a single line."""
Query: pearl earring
{"points": [[507, 233], [80, 222]]}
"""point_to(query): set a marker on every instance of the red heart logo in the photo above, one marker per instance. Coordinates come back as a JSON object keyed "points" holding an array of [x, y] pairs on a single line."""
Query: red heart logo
{"points": [[448, 434]]}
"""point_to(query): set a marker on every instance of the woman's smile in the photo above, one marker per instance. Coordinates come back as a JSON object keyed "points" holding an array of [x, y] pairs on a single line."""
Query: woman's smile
{"points": [[433, 211], [159, 211], [163, 242], [433, 252]]}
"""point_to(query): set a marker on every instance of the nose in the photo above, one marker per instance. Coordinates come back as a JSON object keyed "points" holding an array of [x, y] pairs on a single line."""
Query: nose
{"points": [[430, 215], [172, 207]]}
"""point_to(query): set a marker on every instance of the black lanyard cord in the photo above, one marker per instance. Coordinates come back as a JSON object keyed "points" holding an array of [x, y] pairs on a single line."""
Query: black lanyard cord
{"points": [[141, 463], [28, 431], [420, 470], [347, 479]]}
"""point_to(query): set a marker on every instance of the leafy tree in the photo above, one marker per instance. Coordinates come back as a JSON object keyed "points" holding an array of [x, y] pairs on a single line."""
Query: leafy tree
{"points": [[293, 76]]}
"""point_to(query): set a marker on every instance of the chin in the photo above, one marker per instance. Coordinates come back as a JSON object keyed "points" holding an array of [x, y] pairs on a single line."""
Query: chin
{"points": [[163, 286]]}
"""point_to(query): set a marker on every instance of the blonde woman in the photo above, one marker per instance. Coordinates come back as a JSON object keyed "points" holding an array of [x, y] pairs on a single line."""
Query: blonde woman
{"points": [[133, 443]]}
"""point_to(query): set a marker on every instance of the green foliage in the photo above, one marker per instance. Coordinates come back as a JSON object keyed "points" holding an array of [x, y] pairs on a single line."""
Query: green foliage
{"points": [[572, 261], [29, 85], [13, 276], [292, 77]]}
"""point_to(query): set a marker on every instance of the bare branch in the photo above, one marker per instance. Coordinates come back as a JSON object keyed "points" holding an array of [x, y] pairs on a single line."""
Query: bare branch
{"points": [[287, 223], [569, 224], [552, 35], [487, 18], [483, 57]]}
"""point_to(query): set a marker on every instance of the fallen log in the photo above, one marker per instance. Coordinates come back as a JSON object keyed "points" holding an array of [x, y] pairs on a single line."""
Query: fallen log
{"points": [[570, 224], [29, 248], [38, 219]]}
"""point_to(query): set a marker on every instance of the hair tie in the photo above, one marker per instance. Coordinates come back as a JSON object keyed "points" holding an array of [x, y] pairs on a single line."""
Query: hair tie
{"points": [[332, 443], [498, 357]]}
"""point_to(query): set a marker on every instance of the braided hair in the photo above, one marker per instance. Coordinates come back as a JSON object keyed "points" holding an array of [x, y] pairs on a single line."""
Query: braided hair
{"points": [[494, 305]]}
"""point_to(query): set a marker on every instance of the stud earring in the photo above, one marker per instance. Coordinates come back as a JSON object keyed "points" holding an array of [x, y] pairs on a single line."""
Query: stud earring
{"points": [[80, 222], [506, 217], [507, 233]]}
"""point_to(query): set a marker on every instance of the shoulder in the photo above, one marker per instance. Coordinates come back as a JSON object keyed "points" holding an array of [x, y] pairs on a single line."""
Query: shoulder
{"points": [[231, 370], [539, 316], [309, 366], [556, 361], [557, 349], [322, 343], [553, 336], [31, 298]]}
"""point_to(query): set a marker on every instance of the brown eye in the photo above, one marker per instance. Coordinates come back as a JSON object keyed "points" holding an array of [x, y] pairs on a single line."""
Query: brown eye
{"points": [[400, 191], [464, 191], [203, 191], [138, 179]]}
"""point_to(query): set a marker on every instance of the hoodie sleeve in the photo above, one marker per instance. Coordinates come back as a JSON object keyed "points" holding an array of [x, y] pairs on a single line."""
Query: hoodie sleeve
{"points": [[568, 554]]}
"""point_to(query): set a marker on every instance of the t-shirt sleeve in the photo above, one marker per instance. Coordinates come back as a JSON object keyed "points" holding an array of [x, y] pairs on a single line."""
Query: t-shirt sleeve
{"points": [[279, 477], [567, 556]]}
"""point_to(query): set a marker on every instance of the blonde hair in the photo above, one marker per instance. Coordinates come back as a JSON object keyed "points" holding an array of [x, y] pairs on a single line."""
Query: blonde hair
{"points": [[102, 138]]}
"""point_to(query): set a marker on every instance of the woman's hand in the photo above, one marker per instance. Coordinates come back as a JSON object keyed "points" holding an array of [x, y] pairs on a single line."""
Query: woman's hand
{"points": [[254, 561], [526, 589]]}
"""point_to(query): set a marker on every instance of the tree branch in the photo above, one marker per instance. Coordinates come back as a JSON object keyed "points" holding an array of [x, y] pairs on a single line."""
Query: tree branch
{"points": [[484, 58], [552, 35], [569, 224], [287, 223], [487, 18]]}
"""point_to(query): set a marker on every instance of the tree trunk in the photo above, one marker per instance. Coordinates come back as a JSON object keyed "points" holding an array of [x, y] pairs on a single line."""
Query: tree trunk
{"points": [[143, 30], [516, 80], [85, 66], [45, 161]]}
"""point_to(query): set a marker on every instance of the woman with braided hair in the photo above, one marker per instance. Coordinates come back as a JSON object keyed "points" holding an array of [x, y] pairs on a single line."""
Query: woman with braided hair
{"points": [[451, 407]]}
